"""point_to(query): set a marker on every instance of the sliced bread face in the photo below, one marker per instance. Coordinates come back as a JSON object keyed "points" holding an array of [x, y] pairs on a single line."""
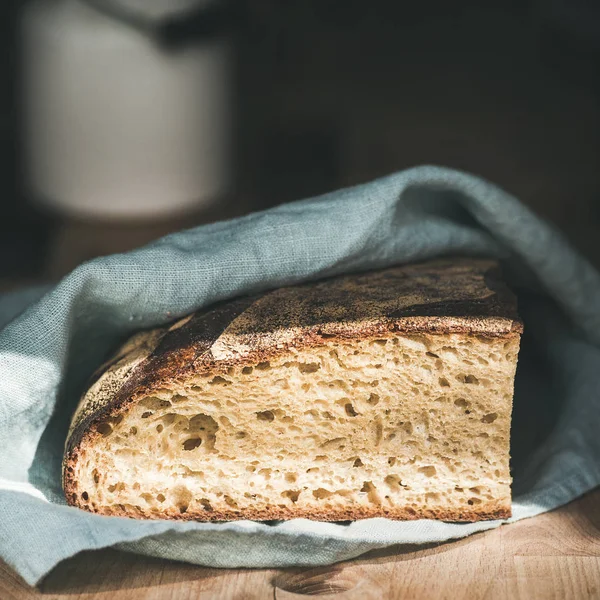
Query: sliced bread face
{"points": [[385, 394]]}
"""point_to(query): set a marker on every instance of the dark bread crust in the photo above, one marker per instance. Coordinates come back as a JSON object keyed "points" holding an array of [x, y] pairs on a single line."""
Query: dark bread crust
{"points": [[483, 512], [444, 296]]}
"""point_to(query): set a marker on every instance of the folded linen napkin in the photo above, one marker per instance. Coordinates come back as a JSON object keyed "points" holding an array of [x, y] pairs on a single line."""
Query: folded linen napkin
{"points": [[56, 340]]}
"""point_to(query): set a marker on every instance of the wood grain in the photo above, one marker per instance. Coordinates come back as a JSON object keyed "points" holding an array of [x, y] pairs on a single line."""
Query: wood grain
{"points": [[553, 556]]}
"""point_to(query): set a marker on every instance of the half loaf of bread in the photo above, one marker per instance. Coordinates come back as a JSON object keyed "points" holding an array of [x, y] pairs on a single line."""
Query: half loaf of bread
{"points": [[385, 394]]}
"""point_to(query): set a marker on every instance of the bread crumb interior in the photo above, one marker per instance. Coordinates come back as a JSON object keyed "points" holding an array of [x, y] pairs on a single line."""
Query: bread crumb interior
{"points": [[419, 423]]}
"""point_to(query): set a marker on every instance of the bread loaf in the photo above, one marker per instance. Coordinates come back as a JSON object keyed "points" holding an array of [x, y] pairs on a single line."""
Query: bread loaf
{"points": [[385, 394]]}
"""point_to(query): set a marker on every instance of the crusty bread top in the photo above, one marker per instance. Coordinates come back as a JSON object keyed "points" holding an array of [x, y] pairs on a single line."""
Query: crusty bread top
{"points": [[457, 295]]}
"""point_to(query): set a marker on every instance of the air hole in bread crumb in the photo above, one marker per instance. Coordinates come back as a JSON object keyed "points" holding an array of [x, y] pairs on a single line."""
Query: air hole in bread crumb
{"points": [[85, 496], [391, 461], [218, 380], [96, 476], [146, 414], [293, 495], [105, 429], [373, 399], [350, 410], [133, 431], [489, 418], [191, 443], [408, 427], [333, 442], [230, 501], [443, 382], [345, 493], [265, 415], [431, 354], [207, 428], [247, 370], [240, 435], [378, 431], [373, 496], [313, 470], [375, 383], [471, 379], [160, 497], [266, 473], [308, 367], [154, 403], [263, 366], [393, 482], [380, 342], [461, 403], [159, 428], [472, 501], [206, 505], [428, 471], [322, 493], [338, 383], [169, 419]]}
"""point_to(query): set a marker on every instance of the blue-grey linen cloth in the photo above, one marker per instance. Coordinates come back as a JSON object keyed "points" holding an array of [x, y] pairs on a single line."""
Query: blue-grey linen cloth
{"points": [[53, 339]]}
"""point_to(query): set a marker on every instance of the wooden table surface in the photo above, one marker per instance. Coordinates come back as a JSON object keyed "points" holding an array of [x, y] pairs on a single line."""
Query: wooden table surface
{"points": [[553, 556]]}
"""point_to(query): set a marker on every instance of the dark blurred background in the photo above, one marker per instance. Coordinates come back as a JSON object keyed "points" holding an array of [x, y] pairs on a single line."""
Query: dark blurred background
{"points": [[333, 93]]}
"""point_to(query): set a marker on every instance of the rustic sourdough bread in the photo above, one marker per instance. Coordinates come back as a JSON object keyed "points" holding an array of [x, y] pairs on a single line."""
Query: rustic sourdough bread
{"points": [[386, 394]]}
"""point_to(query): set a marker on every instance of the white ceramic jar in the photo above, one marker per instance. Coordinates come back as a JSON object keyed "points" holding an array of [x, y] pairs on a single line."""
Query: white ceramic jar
{"points": [[115, 126]]}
